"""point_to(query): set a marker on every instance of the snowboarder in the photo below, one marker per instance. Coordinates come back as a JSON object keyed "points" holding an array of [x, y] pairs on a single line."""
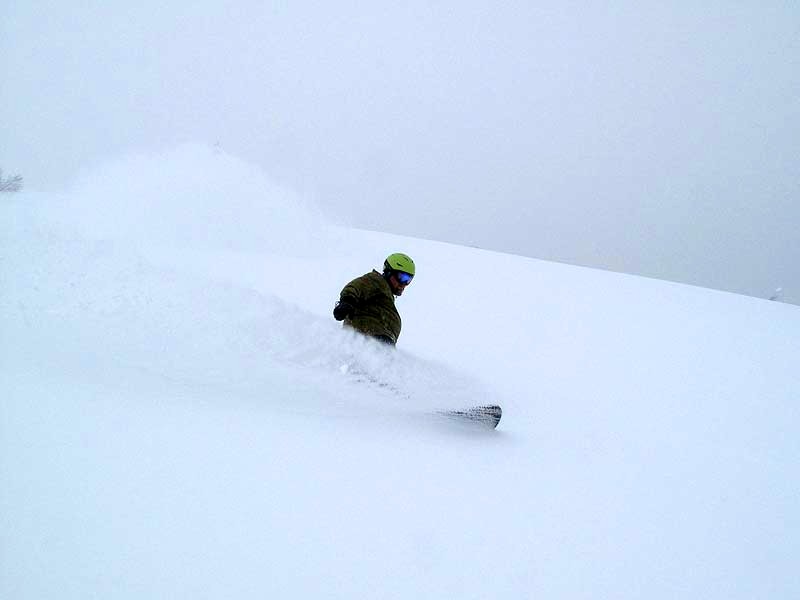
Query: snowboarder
{"points": [[367, 304]]}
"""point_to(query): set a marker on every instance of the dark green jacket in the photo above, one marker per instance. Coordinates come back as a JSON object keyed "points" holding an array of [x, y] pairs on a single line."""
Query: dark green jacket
{"points": [[375, 313]]}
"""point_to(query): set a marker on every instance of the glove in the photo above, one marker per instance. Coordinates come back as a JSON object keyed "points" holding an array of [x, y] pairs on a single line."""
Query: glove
{"points": [[342, 310]]}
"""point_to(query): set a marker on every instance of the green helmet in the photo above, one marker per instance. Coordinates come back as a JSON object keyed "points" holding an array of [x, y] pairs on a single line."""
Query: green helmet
{"points": [[399, 262]]}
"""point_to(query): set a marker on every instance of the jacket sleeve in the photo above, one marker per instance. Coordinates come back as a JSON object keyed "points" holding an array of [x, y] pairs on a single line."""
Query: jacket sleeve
{"points": [[354, 292]]}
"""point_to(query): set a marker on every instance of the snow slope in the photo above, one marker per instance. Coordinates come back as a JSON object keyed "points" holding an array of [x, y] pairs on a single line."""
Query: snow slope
{"points": [[175, 421]]}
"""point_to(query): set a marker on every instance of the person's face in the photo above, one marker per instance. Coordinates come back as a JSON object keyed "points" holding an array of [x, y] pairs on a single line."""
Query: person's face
{"points": [[398, 283]]}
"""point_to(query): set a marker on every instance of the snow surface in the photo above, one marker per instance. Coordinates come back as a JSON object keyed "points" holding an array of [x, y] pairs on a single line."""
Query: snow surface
{"points": [[175, 421]]}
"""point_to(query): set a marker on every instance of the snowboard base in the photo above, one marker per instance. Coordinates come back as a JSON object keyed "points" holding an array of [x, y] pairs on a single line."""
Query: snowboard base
{"points": [[482, 416]]}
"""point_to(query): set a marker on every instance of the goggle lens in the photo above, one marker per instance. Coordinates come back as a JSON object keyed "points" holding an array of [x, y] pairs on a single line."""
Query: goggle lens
{"points": [[403, 278]]}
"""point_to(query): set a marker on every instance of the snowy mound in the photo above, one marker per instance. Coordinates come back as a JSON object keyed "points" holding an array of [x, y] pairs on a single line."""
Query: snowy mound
{"points": [[180, 416]]}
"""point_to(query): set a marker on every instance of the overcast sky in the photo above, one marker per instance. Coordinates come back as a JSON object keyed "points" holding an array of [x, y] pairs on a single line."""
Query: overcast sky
{"points": [[653, 138]]}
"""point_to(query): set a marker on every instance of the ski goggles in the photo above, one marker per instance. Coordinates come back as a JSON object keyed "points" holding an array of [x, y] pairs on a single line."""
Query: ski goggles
{"points": [[403, 278]]}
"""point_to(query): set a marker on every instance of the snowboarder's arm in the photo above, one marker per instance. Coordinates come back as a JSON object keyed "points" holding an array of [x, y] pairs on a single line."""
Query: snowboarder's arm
{"points": [[349, 299]]}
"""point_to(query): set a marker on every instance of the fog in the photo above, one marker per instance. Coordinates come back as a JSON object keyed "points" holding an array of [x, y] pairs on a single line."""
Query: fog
{"points": [[661, 140]]}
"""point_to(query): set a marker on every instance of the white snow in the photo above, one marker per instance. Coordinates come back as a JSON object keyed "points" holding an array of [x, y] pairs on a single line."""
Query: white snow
{"points": [[175, 421]]}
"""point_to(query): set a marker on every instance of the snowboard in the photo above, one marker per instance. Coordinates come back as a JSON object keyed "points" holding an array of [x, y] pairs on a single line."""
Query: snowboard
{"points": [[487, 416]]}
